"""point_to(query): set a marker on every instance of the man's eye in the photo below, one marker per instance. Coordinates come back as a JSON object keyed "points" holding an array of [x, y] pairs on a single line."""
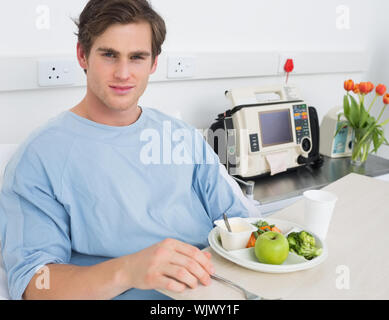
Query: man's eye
{"points": [[137, 58], [109, 55]]}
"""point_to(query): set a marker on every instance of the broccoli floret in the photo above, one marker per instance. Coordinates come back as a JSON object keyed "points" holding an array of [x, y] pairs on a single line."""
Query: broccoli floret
{"points": [[307, 239], [293, 240], [303, 243], [309, 252]]}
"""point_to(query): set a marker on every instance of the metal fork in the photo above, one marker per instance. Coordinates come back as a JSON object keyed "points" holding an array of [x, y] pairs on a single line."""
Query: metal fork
{"points": [[249, 295]]}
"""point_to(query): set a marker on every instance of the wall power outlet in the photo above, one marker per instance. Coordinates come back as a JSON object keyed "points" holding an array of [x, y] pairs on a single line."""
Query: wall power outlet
{"points": [[181, 67], [56, 72]]}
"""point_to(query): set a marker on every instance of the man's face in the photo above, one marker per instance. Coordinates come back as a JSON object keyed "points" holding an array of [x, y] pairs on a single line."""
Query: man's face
{"points": [[119, 66]]}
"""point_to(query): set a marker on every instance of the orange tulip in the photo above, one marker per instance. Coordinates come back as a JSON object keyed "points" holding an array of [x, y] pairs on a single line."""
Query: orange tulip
{"points": [[356, 88], [380, 89], [348, 85], [366, 87], [386, 98], [370, 87], [363, 87]]}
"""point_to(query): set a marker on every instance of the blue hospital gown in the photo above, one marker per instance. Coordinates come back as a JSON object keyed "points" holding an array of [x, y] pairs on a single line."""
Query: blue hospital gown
{"points": [[81, 192]]}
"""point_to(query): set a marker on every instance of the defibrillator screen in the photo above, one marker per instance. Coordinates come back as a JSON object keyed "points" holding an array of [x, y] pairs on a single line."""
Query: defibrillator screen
{"points": [[275, 127]]}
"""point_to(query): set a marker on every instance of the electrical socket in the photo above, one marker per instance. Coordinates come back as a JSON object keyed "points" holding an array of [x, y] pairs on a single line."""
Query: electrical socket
{"points": [[56, 72], [181, 67]]}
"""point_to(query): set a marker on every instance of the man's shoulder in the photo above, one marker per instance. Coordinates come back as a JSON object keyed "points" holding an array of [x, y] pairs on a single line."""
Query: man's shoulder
{"points": [[48, 143], [50, 135], [159, 117]]}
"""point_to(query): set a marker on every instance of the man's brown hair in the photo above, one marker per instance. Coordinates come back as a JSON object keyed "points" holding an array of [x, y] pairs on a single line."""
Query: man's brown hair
{"points": [[98, 15]]}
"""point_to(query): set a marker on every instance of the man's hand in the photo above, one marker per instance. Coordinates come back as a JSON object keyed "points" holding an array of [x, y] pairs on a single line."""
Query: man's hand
{"points": [[172, 265]]}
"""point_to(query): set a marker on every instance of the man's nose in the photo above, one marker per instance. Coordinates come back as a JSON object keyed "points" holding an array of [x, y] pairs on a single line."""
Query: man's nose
{"points": [[122, 70]]}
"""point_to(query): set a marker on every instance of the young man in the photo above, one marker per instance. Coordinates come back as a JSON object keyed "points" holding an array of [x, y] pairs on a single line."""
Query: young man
{"points": [[84, 213]]}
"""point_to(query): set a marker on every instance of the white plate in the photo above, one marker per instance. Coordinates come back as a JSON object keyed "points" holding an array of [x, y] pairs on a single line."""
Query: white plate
{"points": [[246, 257]]}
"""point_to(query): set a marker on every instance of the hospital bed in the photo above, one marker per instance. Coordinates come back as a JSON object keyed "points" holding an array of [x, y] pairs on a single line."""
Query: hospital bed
{"points": [[7, 150]]}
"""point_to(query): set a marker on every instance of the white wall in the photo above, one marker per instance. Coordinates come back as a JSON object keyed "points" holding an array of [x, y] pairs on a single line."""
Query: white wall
{"points": [[197, 25]]}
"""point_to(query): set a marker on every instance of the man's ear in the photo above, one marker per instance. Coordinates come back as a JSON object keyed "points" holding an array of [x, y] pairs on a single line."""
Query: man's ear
{"points": [[81, 57], [154, 67]]}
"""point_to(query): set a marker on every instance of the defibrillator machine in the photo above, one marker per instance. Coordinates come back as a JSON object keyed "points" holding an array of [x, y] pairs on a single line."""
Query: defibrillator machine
{"points": [[268, 130]]}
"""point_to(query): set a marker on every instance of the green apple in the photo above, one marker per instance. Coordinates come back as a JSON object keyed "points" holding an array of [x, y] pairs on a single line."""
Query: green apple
{"points": [[271, 248]]}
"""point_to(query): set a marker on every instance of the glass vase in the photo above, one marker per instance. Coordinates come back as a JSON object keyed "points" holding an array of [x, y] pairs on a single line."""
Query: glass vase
{"points": [[360, 151]]}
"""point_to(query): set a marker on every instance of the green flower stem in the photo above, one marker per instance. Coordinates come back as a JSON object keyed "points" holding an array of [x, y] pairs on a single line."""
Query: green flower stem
{"points": [[366, 135], [356, 152], [372, 103], [382, 111], [365, 151], [360, 151], [383, 123]]}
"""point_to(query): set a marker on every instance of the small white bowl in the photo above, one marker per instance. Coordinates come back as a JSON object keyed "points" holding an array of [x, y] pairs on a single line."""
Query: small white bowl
{"points": [[240, 235]]}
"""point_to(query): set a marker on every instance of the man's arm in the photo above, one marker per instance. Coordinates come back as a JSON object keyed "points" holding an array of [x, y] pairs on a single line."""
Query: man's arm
{"points": [[66, 281], [170, 264], [218, 192]]}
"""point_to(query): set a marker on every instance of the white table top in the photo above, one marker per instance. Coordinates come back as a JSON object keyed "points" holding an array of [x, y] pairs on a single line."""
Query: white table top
{"points": [[358, 260]]}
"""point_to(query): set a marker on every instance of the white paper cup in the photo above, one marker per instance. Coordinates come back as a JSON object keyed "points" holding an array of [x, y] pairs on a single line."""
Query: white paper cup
{"points": [[240, 236], [318, 208]]}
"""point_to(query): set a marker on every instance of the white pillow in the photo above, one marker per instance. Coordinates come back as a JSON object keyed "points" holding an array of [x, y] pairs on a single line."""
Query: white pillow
{"points": [[6, 151]]}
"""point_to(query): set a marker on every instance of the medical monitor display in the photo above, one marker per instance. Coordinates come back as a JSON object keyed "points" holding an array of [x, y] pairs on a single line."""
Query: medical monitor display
{"points": [[275, 127]]}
